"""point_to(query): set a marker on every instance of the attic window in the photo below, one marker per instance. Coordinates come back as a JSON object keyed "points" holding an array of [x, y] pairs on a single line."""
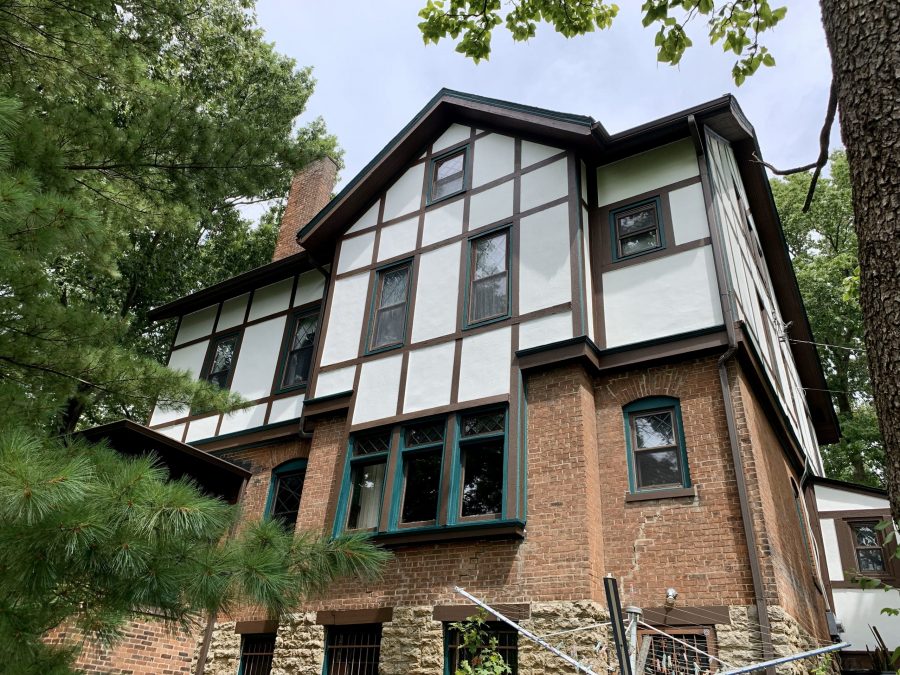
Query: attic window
{"points": [[448, 175], [636, 229]]}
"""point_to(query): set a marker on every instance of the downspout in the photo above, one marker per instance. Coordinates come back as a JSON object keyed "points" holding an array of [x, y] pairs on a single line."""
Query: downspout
{"points": [[725, 291]]}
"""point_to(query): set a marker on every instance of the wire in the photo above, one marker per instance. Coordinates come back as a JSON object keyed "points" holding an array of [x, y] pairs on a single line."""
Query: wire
{"points": [[824, 344]]}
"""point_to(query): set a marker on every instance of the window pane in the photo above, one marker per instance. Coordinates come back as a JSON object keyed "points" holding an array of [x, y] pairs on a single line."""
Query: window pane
{"points": [[482, 490], [365, 496], [639, 243], [368, 445], [637, 220], [870, 560], [425, 434], [304, 333], [220, 366], [219, 379], [490, 255], [286, 504], [423, 478], [484, 423], [393, 287], [866, 535], [657, 468], [448, 167], [489, 298], [296, 370], [389, 325], [654, 431]]}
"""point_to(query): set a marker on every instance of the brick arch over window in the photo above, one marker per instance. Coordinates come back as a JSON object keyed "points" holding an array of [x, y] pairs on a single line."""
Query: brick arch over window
{"points": [[665, 381]]}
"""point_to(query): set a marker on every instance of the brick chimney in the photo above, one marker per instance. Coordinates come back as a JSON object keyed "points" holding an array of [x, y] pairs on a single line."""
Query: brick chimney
{"points": [[310, 192]]}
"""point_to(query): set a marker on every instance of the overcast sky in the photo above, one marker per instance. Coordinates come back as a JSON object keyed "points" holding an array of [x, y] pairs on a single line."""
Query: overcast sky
{"points": [[374, 73]]}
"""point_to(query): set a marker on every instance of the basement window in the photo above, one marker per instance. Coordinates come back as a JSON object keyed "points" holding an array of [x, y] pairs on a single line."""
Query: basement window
{"points": [[448, 175], [684, 651], [636, 229], [257, 651], [455, 650], [353, 649], [654, 438]]}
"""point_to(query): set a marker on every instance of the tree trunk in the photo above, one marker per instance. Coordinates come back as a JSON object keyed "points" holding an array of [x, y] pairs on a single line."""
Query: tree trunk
{"points": [[865, 57]]}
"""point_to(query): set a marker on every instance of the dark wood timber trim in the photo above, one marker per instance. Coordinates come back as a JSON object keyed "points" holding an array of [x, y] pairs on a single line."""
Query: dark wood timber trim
{"points": [[440, 410], [252, 436], [576, 271], [451, 613], [688, 616], [447, 534], [851, 487], [660, 494], [325, 405], [346, 617], [255, 627], [847, 547], [858, 514]]}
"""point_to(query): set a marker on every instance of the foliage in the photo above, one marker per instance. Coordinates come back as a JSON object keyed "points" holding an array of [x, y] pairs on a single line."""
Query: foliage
{"points": [[823, 247], [736, 24], [480, 654], [89, 537]]}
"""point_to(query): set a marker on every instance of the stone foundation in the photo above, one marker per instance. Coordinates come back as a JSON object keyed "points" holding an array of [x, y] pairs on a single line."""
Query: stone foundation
{"points": [[224, 653], [413, 643], [582, 645], [299, 646]]}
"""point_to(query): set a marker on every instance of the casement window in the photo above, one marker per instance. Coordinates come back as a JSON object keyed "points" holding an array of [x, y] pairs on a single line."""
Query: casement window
{"points": [[298, 351], [507, 646], [352, 649], [389, 307], [863, 548], [687, 654], [868, 548], [466, 451], [655, 443], [285, 492], [448, 175], [488, 296], [220, 360], [637, 229], [257, 651]]}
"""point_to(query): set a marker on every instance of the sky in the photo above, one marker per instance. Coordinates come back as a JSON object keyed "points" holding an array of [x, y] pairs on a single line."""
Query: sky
{"points": [[374, 73]]}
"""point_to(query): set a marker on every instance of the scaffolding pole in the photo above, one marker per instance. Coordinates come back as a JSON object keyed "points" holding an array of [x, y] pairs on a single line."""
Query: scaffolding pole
{"points": [[786, 659]]}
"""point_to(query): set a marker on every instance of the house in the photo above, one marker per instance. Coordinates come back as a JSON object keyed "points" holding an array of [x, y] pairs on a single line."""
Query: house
{"points": [[523, 353]]}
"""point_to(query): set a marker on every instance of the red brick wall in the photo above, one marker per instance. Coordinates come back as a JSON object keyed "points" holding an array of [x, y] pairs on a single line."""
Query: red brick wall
{"points": [[310, 191]]}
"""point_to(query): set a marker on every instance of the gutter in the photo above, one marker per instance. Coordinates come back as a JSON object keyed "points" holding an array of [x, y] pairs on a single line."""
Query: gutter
{"points": [[716, 238]]}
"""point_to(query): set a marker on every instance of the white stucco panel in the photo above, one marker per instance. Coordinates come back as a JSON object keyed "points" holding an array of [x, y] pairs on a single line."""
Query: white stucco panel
{"points": [[443, 223], [666, 296], [455, 133], [335, 381], [491, 205], [176, 431], [356, 252], [544, 266], [196, 324], [368, 219], [348, 306], [832, 552], [494, 158], [484, 364], [310, 288], [545, 184], [205, 427], [270, 299], [688, 214], [245, 418], [284, 409], [258, 357], [188, 358], [437, 293], [398, 239], [646, 171], [546, 330], [588, 273], [532, 153], [857, 609], [428, 378], [233, 312], [405, 195], [833, 499], [379, 385]]}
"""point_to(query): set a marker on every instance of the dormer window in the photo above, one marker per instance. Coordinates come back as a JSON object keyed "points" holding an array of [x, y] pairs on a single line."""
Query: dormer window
{"points": [[636, 229], [220, 361], [448, 175]]}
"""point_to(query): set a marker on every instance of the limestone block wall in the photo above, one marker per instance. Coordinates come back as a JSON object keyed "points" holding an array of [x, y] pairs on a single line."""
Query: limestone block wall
{"points": [[412, 643], [299, 646]]}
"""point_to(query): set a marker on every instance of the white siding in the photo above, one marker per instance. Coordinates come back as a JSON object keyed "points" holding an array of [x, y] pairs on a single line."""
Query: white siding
{"points": [[310, 288], [857, 609], [176, 431], [405, 195], [428, 378], [688, 214], [196, 325], [368, 219], [443, 223], [233, 312], [284, 409], [455, 133], [532, 153], [335, 381], [666, 296], [492, 205], [271, 299], [188, 358], [356, 252], [485, 364], [494, 157], [437, 293], [345, 319], [834, 499], [545, 184], [258, 358], [398, 239], [545, 330], [832, 552], [647, 171], [379, 384], [205, 427], [544, 267], [246, 418]]}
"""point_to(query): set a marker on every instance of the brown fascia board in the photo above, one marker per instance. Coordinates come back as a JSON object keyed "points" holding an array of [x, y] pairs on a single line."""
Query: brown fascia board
{"points": [[213, 474], [848, 486], [242, 283]]}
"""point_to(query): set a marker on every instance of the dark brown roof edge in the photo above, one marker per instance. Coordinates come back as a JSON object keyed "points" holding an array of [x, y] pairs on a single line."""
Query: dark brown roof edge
{"points": [[847, 485]]}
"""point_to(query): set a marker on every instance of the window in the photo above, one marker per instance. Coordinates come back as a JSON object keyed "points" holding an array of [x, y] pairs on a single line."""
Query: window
{"points": [[286, 491], [636, 229], [507, 646], [687, 654], [655, 440], [867, 548], [368, 461], [353, 650], [220, 360], [389, 309], [489, 277], [422, 455], [298, 351], [448, 175], [256, 654], [482, 437]]}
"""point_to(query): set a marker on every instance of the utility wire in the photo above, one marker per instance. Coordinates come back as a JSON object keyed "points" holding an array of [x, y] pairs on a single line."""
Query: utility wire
{"points": [[823, 344]]}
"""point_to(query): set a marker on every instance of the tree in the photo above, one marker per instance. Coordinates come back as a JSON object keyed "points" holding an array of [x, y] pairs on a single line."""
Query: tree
{"points": [[865, 60], [823, 248]]}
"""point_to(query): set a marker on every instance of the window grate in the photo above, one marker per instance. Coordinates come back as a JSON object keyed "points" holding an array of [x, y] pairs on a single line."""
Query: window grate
{"points": [[256, 654], [668, 657], [507, 645], [353, 650]]}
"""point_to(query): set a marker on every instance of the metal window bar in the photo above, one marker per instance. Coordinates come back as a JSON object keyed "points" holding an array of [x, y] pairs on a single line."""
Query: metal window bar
{"points": [[353, 650], [507, 645], [256, 654]]}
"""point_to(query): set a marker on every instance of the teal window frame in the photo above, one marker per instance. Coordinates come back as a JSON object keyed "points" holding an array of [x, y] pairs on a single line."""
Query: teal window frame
{"points": [[376, 295], [343, 510], [470, 254], [432, 165], [257, 636], [455, 502], [294, 321], [288, 467], [214, 343], [404, 451], [614, 230], [642, 407]]}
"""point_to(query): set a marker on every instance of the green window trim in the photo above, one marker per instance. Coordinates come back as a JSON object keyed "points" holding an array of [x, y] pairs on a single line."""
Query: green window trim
{"points": [[467, 320], [379, 274], [351, 461], [645, 406], [289, 467], [429, 194], [614, 232], [284, 355], [405, 451]]}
